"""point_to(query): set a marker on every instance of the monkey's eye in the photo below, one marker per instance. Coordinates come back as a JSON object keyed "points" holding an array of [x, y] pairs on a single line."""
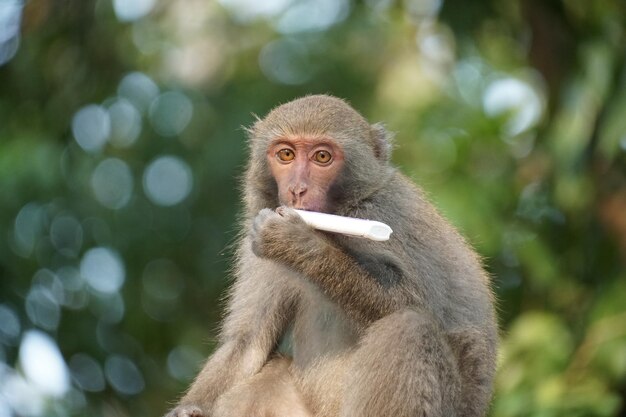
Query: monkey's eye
{"points": [[322, 157], [285, 155]]}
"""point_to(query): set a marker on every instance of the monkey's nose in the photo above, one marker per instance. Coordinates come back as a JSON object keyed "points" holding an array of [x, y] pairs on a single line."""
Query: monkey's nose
{"points": [[298, 189]]}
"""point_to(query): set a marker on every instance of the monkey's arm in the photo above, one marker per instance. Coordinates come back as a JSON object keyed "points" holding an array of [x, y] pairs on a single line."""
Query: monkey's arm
{"points": [[368, 287], [258, 313]]}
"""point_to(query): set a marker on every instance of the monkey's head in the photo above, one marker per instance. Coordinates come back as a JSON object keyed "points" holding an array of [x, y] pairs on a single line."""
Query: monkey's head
{"points": [[315, 153]]}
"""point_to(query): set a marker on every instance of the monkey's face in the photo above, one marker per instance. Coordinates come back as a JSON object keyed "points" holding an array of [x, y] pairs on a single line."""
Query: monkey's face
{"points": [[305, 168]]}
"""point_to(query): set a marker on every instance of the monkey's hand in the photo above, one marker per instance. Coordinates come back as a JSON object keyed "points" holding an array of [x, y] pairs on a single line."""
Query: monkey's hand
{"points": [[186, 411], [283, 237], [277, 233]]}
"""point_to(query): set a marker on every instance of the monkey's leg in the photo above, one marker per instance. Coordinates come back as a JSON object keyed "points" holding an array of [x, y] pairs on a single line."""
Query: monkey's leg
{"points": [[270, 393], [402, 367], [258, 312], [323, 383]]}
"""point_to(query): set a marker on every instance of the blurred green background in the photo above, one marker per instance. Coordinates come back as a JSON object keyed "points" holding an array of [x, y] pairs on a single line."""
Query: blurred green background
{"points": [[121, 148]]}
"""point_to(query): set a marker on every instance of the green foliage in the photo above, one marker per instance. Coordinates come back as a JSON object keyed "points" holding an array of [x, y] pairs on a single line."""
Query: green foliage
{"points": [[121, 149]]}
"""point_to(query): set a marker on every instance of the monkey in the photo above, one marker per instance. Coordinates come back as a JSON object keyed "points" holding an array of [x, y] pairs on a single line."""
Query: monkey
{"points": [[322, 324]]}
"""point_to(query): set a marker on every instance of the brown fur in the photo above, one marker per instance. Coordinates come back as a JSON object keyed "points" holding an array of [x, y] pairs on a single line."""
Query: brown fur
{"points": [[398, 328]]}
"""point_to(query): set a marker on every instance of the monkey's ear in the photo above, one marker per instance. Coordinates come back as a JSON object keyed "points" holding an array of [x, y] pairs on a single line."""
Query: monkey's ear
{"points": [[383, 141]]}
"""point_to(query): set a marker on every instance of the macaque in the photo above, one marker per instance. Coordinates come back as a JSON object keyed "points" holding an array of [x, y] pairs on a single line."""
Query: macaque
{"points": [[322, 324]]}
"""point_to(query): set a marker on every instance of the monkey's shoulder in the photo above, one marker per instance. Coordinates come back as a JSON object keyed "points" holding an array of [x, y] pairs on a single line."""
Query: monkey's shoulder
{"points": [[400, 203]]}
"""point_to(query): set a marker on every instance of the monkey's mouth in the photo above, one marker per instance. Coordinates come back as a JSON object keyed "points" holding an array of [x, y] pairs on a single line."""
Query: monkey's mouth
{"points": [[300, 207], [310, 208], [306, 207], [303, 204]]}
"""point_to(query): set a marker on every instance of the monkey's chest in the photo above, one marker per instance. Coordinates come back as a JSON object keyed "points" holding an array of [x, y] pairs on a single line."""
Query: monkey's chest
{"points": [[319, 329]]}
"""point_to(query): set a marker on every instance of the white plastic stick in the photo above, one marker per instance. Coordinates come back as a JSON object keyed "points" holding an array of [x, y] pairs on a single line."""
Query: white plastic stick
{"points": [[346, 225]]}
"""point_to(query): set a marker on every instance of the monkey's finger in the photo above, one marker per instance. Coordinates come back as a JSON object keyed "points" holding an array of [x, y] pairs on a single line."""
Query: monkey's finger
{"points": [[285, 211], [186, 411], [262, 218]]}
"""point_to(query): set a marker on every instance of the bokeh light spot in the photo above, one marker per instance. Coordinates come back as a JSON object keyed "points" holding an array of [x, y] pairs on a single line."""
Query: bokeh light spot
{"points": [[43, 364], [125, 123], [91, 127], [422, 9], [20, 394], [5, 408], [112, 183], [139, 89], [9, 325], [129, 10], [42, 308], [10, 18], [103, 270], [47, 279], [28, 228], [313, 15], [170, 113], [87, 373], [379, 6], [123, 375], [75, 295], [517, 99], [66, 234], [167, 181], [246, 10], [183, 362], [468, 76], [285, 61], [9, 49]]}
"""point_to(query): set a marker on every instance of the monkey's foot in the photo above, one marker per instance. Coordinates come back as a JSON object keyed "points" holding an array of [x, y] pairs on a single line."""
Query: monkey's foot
{"points": [[186, 411]]}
